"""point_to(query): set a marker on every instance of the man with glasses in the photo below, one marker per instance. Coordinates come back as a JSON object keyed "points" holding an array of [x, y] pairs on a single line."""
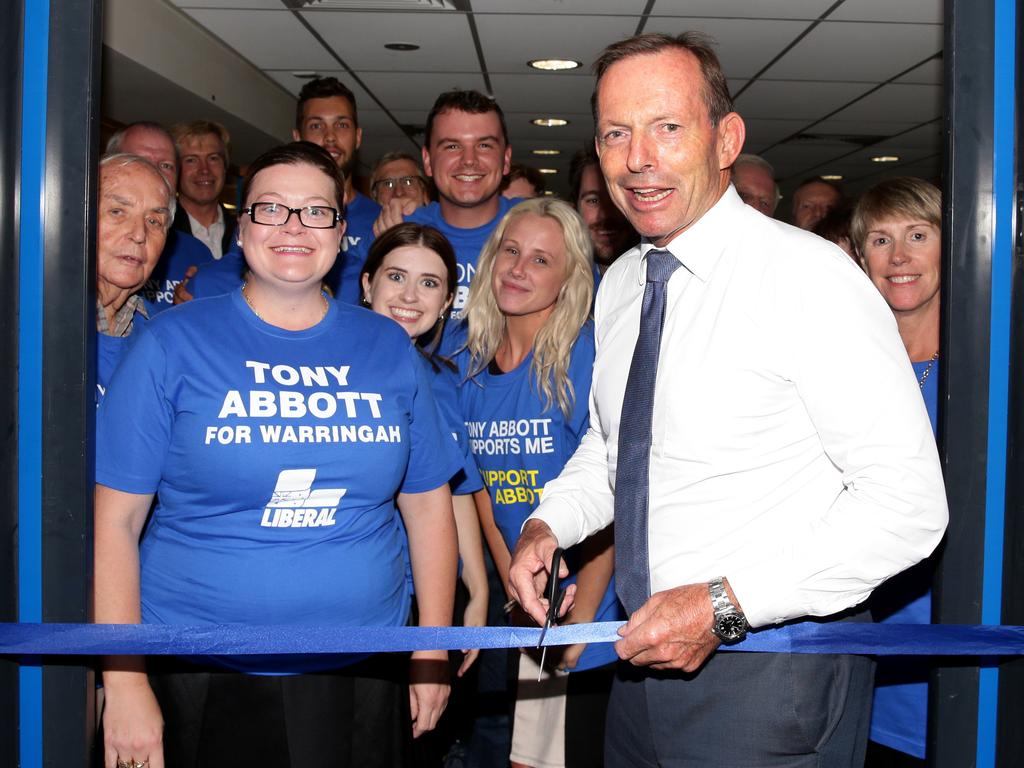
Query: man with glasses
{"points": [[397, 176], [754, 179]]}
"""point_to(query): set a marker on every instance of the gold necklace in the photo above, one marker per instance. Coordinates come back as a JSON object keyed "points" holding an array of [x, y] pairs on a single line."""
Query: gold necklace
{"points": [[927, 371], [245, 295]]}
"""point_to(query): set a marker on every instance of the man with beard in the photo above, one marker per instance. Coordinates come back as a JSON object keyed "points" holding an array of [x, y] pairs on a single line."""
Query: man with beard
{"points": [[326, 115], [610, 231]]}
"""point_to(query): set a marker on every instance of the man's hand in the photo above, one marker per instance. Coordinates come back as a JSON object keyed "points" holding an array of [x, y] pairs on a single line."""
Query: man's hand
{"points": [[528, 574], [181, 294], [393, 214], [672, 630]]}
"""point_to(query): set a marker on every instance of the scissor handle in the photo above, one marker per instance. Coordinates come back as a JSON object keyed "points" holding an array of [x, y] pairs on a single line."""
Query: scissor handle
{"points": [[555, 594]]}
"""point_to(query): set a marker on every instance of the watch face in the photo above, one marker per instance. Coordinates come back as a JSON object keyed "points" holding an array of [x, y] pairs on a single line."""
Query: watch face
{"points": [[731, 627]]}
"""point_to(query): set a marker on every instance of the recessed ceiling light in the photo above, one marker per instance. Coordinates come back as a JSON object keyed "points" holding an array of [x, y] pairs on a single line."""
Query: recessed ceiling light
{"points": [[885, 159], [548, 193], [401, 46], [554, 65], [547, 151], [549, 122], [304, 74], [548, 170], [832, 177]]}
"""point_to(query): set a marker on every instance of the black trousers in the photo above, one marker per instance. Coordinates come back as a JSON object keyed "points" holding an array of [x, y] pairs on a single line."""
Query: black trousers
{"points": [[354, 717], [743, 710]]}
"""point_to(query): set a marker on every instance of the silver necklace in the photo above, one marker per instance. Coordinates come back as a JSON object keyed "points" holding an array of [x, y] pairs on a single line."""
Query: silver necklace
{"points": [[924, 375], [245, 295]]}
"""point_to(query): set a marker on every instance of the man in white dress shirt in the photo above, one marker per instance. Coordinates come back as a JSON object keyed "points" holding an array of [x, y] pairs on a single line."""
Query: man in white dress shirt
{"points": [[791, 463]]}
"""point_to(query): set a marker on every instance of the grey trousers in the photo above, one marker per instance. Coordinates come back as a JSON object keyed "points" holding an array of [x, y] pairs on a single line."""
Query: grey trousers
{"points": [[743, 710]]}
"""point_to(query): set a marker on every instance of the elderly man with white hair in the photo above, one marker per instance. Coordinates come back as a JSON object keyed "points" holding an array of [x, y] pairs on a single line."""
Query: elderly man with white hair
{"points": [[136, 209]]}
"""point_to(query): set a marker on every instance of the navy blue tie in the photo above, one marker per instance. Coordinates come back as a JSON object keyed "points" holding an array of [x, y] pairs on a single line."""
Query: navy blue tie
{"points": [[632, 486]]}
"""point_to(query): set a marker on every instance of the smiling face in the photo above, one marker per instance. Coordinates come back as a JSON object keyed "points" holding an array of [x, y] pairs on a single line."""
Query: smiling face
{"points": [[330, 123], [292, 255], [467, 157], [903, 258], [609, 230], [203, 168], [411, 287], [131, 228], [530, 266], [664, 162]]}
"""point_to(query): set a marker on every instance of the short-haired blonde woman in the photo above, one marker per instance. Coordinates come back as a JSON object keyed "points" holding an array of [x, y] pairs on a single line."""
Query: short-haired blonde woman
{"points": [[897, 231], [528, 359]]}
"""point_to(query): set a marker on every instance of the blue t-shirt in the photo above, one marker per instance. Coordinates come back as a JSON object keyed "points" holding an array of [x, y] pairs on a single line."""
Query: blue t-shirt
{"points": [[519, 446], [181, 251], [276, 456], [343, 279], [216, 278], [444, 383], [899, 716], [467, 243]]}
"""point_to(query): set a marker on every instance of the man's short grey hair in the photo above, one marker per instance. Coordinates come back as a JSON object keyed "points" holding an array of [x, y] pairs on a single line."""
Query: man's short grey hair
{"points": [[115, 145], [758, 162], [125, 159], [390, 157]]}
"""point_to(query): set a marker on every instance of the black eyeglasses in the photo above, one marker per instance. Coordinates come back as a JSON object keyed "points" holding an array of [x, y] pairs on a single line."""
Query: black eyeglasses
{"points": [[404, 181], [277, 215]]}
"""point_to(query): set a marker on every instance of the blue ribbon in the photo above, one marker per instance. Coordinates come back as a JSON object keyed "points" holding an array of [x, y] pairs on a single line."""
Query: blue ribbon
{"points": [[245, 640]]}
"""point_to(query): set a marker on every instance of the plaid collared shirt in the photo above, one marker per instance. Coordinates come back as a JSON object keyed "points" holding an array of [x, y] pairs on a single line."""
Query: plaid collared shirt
{"points": [[124, 319]]}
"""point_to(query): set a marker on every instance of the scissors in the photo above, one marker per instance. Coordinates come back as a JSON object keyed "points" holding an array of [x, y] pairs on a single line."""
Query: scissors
{"points": [[555, 596]]}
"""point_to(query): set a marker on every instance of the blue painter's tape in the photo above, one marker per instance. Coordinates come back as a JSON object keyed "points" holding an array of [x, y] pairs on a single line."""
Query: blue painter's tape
{"points": [[238, 640]]}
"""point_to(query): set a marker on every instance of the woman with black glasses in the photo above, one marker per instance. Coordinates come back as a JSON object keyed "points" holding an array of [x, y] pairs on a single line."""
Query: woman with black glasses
{"points": [[281, 430]]}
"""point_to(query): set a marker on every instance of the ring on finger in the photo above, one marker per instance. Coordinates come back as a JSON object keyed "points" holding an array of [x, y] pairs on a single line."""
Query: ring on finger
{"points": [[124, 763], [137, 764]]}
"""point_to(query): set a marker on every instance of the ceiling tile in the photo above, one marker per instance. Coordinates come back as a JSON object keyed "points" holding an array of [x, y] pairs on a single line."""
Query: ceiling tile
{"points": [[417, 91], [898, 102], [796, 99], [543, 93], [764, 133], [273, 5], [294, 84], [269, 39], [929, 73], [511, 41], [847, 51], [868, 127], [731, 9], [446, 44], [743, 46], [918, 11], [598, 7]]}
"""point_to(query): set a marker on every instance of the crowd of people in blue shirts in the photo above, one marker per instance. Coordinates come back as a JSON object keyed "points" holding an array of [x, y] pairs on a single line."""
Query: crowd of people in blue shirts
{"points": [[338, 408]]}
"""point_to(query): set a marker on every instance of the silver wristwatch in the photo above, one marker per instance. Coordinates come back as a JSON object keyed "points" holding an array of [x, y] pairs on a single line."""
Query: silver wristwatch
{"points": [[730, 624]]}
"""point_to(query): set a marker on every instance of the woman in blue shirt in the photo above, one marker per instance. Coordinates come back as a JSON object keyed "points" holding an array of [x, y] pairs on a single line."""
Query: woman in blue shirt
{"points": [[896, 228], [281, 430], [528, 359], [410, 276]]}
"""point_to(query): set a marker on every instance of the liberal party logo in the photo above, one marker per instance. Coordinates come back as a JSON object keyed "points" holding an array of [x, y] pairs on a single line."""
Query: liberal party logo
{"points": [[295, 504]]}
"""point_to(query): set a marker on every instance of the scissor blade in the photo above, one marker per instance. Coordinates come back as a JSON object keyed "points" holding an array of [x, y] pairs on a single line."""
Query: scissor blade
{"points": [[543, 655]]}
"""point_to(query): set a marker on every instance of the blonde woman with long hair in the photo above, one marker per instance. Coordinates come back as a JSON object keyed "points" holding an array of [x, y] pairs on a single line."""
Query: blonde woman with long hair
{"points": [[527, 364]]}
